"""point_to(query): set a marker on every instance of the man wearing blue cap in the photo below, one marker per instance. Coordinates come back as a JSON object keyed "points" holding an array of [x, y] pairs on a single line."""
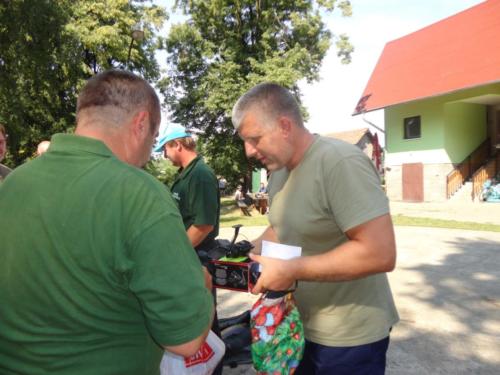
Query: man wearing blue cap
{"points": [[196, 191], [195, 188]]}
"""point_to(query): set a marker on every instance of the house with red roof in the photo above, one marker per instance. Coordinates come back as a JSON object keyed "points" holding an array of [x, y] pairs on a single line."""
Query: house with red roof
{"points": [[440, 91], [365, 140]]}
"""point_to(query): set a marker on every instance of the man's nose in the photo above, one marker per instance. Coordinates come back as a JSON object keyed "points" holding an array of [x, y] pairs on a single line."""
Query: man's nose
{"points": [[250, 151]]}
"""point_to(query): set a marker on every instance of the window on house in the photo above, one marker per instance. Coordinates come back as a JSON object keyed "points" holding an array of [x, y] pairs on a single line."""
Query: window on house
{"points": [[412, 127]]}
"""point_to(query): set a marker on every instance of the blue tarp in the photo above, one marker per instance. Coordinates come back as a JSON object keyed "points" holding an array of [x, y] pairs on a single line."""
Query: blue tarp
{"points": [[491, 189]]}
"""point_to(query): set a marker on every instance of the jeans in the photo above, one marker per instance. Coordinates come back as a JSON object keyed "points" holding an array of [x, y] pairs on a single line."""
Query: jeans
{"points": [[368, 359]]}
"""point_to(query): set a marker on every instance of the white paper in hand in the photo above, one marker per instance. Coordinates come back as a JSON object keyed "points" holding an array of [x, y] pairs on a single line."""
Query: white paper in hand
{"points": [[280, 251]]}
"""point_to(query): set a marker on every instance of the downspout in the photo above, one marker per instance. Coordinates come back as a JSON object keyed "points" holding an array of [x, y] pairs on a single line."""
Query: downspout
{"points": [[372, 124], [376, 127]]}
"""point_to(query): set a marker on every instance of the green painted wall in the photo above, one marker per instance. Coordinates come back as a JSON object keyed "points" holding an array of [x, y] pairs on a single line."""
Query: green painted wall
{"points": [[446, 123], [431, 129], [464, 129]]}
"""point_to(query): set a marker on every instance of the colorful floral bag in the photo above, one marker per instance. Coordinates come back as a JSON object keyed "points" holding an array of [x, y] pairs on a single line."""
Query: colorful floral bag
{"points": [[277, 334]]}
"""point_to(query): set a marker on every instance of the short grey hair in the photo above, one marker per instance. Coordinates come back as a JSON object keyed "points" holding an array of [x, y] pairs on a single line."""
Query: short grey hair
{"points": [[120, 90], [271, 99]]}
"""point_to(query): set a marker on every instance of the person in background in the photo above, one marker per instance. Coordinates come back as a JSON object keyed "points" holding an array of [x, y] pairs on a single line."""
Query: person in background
{"points": [[248, 198], [261, 199], [42, 147], [4, 171], [238, 195], [222, 186], [262, 188], [326, 198], [196, 191], [105, 279]]}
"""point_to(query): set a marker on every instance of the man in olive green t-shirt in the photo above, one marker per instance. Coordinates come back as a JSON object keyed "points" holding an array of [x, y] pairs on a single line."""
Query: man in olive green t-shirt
{"points": [[326, 198], [97, 275]]}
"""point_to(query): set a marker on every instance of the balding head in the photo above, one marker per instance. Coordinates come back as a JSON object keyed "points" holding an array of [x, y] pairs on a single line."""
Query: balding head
{"points": [[123, 111], [112, 97], [42, 147]]}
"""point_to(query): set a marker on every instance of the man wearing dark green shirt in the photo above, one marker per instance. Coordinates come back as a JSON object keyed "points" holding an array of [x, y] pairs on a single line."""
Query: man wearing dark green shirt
{"points": [[195, 188], [97, 275], [196, 191]]}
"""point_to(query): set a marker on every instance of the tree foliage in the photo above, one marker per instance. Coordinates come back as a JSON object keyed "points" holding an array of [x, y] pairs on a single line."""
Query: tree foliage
{"points": [[225, 47], [162, 169], [48, 48]]}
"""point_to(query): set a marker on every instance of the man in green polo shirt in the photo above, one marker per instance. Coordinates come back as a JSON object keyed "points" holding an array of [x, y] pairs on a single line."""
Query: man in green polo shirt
{"points": [[195, 188], [97, 275], [326, 198], [196, 191]]}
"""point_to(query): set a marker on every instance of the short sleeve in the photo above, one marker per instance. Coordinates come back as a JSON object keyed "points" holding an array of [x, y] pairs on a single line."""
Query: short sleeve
{"points": [[354, 192], [205, 200], [167, 279]]}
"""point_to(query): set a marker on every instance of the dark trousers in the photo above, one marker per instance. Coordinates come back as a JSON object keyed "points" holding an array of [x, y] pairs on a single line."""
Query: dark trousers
{"points": [[366, 359]]}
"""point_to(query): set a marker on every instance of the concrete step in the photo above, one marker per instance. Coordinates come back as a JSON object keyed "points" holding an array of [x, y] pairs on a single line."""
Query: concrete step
{"points": [[464, 194]]}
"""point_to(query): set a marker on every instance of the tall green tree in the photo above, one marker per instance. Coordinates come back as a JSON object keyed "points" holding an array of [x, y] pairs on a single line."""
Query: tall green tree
{"points": [[227, 46], [48, 48]]}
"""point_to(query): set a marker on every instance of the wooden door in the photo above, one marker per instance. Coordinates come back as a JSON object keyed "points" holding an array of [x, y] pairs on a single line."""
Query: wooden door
{"points": [[413, 182]]}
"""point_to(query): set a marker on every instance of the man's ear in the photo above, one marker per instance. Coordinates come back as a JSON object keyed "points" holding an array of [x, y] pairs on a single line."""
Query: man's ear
{"points": [[140, 123], [178, 145], [285, 126]]}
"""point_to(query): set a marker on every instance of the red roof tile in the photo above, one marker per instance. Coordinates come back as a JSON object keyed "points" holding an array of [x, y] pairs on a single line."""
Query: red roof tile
{"points": [[461, 51]]}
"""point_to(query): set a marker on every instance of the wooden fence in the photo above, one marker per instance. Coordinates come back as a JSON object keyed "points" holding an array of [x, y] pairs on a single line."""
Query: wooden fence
{"points": [[463, 171]]}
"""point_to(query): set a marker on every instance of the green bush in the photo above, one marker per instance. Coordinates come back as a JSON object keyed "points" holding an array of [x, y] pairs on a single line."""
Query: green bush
{"points": [[162, 169]]}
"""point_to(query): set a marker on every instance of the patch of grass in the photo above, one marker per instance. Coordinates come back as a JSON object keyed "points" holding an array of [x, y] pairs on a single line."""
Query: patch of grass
{"points": [[440, 223], [255, 220], [227, 204], [231, 214]]}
